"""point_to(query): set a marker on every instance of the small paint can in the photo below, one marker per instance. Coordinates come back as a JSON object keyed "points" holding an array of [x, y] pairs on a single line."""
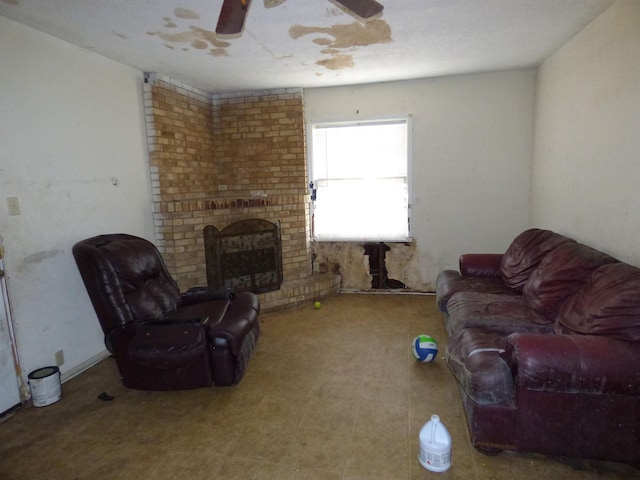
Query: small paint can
{"points": [[45, 386]]}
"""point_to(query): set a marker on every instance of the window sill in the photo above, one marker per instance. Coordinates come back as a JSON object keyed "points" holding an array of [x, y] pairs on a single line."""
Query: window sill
{"points": [[363, 240]]}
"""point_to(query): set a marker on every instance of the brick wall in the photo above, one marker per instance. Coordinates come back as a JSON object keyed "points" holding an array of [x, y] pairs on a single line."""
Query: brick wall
{"points": [[259, 144], [218, 159]]}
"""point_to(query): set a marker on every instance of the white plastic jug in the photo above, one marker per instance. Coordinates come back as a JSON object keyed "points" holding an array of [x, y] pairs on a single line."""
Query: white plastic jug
{"points": [[435, 446]]}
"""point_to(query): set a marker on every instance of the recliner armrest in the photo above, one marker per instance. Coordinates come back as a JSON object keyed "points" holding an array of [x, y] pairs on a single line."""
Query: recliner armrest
{"points": [[177, 321], [204, 294], [480, 264], [574, 363]]}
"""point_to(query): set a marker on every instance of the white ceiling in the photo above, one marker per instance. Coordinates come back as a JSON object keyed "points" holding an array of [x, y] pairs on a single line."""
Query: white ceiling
{"points": [[312, 43]]}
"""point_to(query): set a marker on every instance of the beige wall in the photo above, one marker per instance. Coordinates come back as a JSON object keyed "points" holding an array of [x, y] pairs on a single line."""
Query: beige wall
{"points": [[73, 150], [586, 173], [472, 150]]}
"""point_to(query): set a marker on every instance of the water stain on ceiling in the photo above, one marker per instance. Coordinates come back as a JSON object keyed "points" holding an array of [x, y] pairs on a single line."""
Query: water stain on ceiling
{"points": [[186, 13], [307, 39], [339, 38], [198, 38]]}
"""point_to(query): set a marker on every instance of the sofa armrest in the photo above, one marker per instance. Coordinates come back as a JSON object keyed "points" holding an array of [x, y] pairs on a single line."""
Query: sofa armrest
{"points": [[480, 264], [574, 363]]}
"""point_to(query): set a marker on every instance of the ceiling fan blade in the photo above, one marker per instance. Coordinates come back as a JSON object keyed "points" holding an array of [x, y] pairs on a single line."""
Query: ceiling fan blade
{"points": [[232, 15], [362, 8]]}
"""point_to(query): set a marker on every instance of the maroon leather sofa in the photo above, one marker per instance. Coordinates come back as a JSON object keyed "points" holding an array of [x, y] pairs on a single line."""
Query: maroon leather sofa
{"points": [[162, 339], [544, 341]]}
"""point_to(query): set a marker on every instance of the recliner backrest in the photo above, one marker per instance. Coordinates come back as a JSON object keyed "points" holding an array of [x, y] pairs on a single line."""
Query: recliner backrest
{"points": [[126, 278]]}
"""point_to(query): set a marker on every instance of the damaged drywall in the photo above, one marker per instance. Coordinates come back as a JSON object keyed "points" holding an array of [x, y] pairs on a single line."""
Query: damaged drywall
{"points": [[352, 261]]}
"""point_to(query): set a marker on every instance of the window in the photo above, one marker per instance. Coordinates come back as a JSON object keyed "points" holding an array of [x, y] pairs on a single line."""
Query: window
{"points": [[359, 180]]}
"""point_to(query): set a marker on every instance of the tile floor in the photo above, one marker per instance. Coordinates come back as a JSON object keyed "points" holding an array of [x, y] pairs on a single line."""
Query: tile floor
{"points": [[330, 394]]}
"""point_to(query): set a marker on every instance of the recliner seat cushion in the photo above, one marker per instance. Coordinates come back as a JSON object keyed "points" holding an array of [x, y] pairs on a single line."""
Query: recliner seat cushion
{"points": [[560, 274], [525, 253], [608, 304]]}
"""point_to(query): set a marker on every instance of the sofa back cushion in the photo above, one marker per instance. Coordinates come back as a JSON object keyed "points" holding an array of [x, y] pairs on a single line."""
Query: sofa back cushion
{"points": [[525, 253], [608, 304], [560, 274]]}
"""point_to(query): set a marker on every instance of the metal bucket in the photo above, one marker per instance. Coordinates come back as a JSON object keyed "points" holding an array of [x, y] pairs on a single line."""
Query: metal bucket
{"points": [[45, 386]]}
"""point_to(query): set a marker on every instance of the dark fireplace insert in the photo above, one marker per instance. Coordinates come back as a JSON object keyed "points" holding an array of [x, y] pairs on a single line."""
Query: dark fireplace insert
{"points": [[245, 255]]}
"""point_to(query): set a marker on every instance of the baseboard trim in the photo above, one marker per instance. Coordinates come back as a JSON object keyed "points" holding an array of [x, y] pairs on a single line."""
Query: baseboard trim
{"points": [[78, 369]]}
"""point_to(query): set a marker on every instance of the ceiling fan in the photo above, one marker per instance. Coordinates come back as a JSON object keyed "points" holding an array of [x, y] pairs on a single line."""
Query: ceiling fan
{"points": [[233, 12]]}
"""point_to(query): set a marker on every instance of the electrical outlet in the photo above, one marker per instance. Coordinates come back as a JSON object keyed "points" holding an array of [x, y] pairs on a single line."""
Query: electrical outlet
{"points": [[59, 358]]}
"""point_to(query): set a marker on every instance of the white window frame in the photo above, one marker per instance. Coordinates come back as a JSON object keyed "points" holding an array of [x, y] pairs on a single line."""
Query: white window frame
{"points": [[406, 119]]}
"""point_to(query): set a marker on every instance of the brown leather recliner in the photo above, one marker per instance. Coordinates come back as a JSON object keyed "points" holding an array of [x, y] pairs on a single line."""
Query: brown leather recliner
{"points": [[162, 339]]}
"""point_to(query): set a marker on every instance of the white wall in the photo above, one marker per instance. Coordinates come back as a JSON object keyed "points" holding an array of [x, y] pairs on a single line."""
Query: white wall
{"points": [[472, 151], [586, 175], [73, 150]]}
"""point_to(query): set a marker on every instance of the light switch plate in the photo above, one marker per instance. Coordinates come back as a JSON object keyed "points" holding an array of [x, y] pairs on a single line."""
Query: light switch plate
{"points": [[14, 206]]}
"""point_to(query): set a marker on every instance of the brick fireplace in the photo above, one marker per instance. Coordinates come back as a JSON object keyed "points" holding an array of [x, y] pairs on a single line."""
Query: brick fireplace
{"points": [[220, 159]]}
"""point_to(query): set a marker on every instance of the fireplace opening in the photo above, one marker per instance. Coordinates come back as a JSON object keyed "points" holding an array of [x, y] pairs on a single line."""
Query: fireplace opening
{"points": [[245, 255]]}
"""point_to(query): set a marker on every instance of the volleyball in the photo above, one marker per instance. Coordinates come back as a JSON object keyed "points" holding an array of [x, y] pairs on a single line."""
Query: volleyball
{"points": [[424, 348]]}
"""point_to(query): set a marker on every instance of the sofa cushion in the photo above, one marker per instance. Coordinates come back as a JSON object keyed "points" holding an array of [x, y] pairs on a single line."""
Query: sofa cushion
{"points": [[474, 355], [525, 253], [501, 313], [591, 364], [450, 282], [560, 274], [608, 304]]}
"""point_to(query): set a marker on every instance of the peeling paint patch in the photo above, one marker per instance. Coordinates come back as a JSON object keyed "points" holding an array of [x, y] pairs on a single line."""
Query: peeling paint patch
{"points": [[199, 44], [186, 13], [337, 62], [168, 23], [350, 35], [344, 36], [273, 3], [197, 37], [218, 52], [120, 35], [322, 41]]}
